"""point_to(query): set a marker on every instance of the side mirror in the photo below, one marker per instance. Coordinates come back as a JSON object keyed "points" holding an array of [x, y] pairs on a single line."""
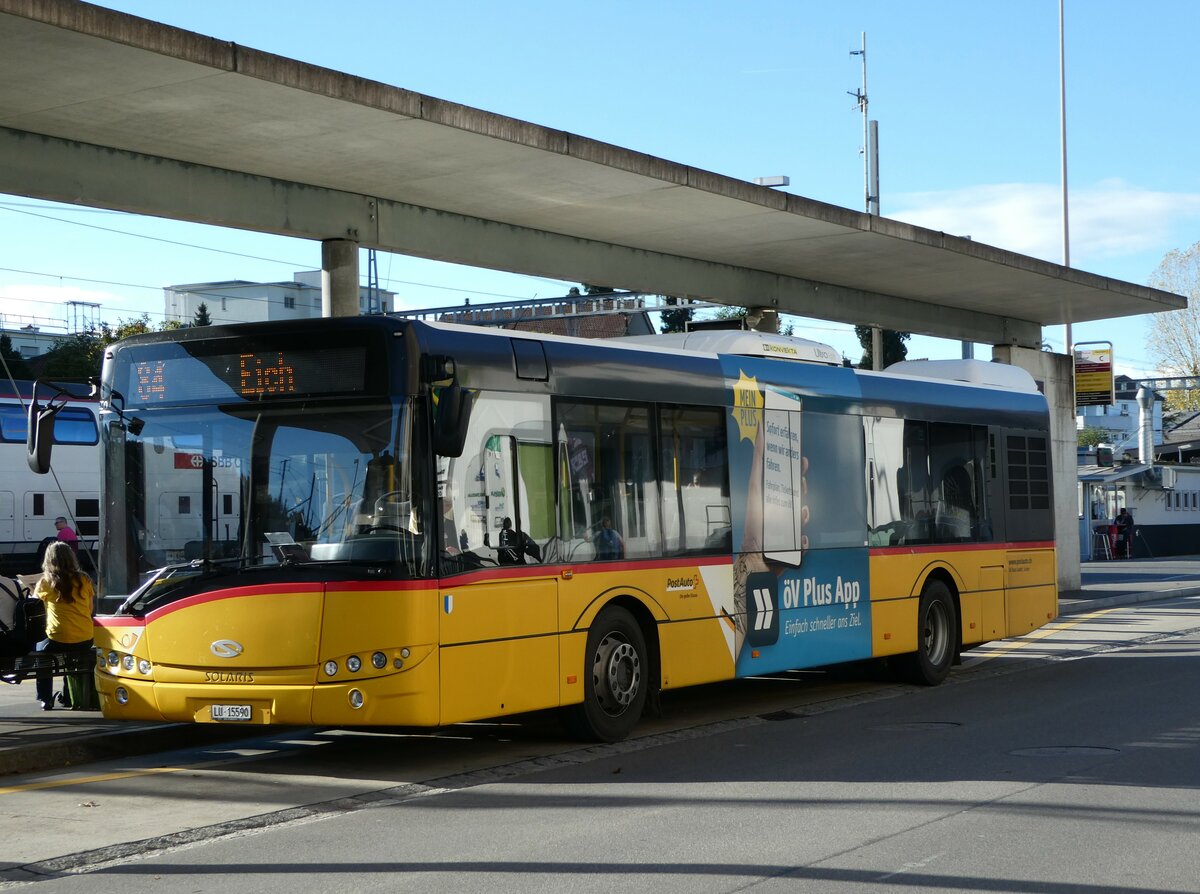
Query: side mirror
{"points": [[39, 433], [451, 416], [39, 426]]}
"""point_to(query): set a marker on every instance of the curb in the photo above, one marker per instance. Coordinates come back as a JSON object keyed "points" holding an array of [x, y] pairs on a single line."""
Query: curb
{"points": [[1078, 606], [116, 743]]}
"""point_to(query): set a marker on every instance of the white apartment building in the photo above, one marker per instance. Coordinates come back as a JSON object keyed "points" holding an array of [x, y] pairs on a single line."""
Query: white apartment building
{"points": [[1122, 418], [238, 301]]}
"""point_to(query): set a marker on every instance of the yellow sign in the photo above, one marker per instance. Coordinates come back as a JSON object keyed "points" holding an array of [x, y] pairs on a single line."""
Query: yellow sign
{"points": [[747, 406], [1093, 373]]}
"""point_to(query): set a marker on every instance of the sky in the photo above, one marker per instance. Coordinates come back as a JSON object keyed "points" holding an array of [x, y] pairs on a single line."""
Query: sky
{"points": [[966, 95]]}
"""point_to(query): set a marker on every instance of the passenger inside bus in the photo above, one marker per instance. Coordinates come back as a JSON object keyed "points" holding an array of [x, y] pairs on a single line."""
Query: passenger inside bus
{"points": [[609, 544], [515, 545]]}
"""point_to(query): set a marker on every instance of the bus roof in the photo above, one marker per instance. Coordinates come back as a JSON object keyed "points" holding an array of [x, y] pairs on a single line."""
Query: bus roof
{"points": [[973, 372], [742, 343]]}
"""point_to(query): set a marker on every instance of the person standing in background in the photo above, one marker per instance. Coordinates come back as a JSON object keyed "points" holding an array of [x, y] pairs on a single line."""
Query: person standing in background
{"points": [[67, 534]]}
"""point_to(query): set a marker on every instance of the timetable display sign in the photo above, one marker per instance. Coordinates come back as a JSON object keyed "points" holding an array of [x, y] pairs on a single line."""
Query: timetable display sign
{"points": [[1093, 374]]}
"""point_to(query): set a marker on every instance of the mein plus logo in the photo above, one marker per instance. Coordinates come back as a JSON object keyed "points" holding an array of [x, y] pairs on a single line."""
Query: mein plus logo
{"points": [[762, 609]]}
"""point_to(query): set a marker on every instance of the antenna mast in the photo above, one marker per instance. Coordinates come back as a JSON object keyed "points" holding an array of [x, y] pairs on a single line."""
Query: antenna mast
{"points": [[870, 150], [870, 144]]}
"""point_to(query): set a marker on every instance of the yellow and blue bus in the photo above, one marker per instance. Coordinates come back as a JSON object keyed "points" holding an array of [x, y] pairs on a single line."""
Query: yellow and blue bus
{"points": [[416, 524]]}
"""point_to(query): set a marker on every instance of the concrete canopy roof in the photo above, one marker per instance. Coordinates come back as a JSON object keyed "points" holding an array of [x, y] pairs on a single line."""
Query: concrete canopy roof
{"points": [[106, 109]]}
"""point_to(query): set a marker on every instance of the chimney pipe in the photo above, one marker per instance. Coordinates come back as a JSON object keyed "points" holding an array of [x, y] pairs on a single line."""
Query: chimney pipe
{"points": [[1145, 400]]}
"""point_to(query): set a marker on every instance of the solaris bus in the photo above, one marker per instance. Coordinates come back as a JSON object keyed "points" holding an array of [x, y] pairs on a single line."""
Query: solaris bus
{"points": [[406, 523]]}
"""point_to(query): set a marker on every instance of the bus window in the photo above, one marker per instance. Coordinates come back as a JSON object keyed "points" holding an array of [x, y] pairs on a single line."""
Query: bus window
{"points": [[72, 425], [956, 460], [13, 424], [695, 481], [610, 487], [497, 497], [900, 481], [927, 482]]}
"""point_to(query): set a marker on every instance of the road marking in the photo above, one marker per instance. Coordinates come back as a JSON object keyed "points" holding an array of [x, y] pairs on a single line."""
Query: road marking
{"points": [[87, 780], [909, 867], [219, 757], [1005, 647]]}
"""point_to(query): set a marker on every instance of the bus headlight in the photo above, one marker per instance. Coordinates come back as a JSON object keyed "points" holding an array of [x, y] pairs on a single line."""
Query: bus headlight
{"points": [[127, 662], [113, 659], [144, 666], [356, 699], [331, 668], [354, 664], [378, 660], [122, 695]]}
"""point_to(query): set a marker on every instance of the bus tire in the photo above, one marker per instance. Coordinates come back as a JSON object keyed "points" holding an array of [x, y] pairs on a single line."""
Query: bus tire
{"points": [[937, 636], [615, 679]]}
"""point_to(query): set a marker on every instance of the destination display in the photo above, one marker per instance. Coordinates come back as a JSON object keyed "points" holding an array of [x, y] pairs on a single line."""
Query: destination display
{"points": [[183, 377]]}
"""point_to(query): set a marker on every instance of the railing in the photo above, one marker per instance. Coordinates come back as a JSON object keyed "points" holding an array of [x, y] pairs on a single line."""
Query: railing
{"points": [[565, 306], [25, 667]]}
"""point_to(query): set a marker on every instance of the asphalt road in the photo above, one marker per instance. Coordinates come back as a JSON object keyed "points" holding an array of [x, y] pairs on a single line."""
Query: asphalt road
{"points": [[1061, 762]]}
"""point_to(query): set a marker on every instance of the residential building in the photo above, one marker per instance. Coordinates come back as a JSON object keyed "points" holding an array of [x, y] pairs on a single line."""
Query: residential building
{"points": [[1122, 418], [239, 301]]}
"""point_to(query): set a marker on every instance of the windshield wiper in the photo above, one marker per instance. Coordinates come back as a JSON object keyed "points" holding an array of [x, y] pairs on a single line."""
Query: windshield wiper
{"points": [[170, 577]]}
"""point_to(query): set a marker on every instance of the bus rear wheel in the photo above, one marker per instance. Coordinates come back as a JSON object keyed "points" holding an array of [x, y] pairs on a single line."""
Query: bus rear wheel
{"points": [[615, 683], [937, 636]]}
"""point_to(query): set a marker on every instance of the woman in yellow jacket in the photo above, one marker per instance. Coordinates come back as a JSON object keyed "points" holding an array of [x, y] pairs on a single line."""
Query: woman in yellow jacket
{"points": [[68, 594]]}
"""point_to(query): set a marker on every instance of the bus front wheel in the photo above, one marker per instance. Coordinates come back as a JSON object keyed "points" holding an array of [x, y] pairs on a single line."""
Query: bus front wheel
{"points": [[937, 636], [615, 682]]}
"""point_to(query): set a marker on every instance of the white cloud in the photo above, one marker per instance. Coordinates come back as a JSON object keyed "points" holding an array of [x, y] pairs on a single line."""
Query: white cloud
{"points": [[1111, 219]]}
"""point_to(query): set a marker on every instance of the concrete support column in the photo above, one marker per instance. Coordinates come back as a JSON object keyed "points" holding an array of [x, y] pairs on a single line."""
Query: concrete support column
{"points": [[339, 278], [1054, 374]]}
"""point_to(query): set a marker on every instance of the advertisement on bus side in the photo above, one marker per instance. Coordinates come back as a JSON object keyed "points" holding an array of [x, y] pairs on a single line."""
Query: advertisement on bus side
{"points": [[801, 589]]}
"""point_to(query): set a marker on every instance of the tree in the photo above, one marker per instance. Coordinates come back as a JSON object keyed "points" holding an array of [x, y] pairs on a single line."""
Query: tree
{"points": [[82, 354], [675, 320], [201, 317], [76, 357], [1173, 338], [1090, 436], [14, 364], [894, 349]]}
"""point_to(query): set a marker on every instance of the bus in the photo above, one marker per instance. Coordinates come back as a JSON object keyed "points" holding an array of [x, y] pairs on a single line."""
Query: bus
{"points": [[430, 523], [30, 503]]}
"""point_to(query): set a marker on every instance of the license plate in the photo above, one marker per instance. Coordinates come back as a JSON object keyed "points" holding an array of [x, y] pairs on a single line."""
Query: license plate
{"points": [[231, 712]]}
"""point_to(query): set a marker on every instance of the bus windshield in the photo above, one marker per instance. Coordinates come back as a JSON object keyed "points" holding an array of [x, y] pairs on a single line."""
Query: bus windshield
{"points": [[244, 485]]}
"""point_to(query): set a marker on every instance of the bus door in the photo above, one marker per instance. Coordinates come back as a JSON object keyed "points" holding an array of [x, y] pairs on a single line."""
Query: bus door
{"points": [[499, 593]]}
